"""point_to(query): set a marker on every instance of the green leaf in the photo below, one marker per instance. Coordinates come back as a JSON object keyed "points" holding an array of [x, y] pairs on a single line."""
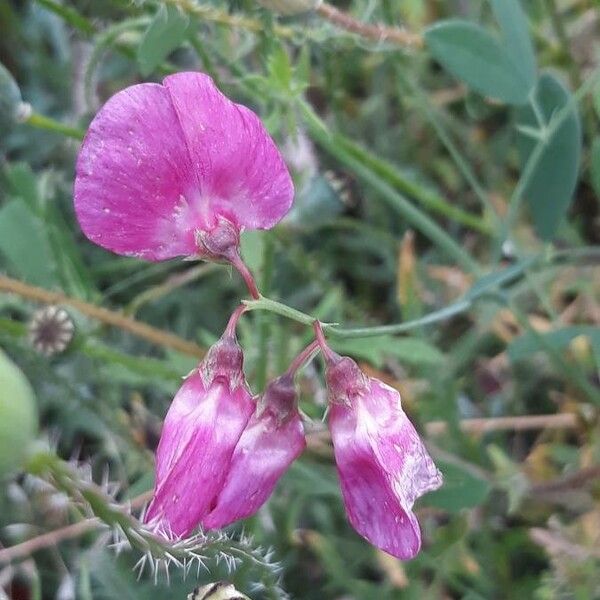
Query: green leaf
{"points": [[409, 350], [22, 183], [472, 54], [165, 33], [596, 98], [513, 22], [496, 279], [280, 69], [10, 100], [550, 188], [24, 242], [595, 165], [525, 345], [460, 490]]}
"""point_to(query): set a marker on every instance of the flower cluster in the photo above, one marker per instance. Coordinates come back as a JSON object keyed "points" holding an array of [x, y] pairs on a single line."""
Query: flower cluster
{"points": [[179, 170]]}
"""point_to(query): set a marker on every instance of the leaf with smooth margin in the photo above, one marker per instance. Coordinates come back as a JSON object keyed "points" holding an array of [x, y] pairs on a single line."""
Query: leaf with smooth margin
{"points": [[476, 57], [513, 22], [550, 188]]}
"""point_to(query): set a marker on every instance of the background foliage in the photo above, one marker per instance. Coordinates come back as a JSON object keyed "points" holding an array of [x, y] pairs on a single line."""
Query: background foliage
{"points": [[447, 177]]}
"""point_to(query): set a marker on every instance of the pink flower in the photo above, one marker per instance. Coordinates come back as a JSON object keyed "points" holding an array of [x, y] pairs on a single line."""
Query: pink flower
{"points": [[382, 463], [178, 170], [199, 436], [272, 440], [221, 453]]}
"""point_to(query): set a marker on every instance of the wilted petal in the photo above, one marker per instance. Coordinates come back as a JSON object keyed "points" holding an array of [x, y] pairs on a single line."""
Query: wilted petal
{"points": [[264, 452], [201, 429], [161, 163], [382, 463]]}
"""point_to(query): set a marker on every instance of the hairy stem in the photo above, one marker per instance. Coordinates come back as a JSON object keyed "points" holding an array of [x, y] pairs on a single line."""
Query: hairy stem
{"points": [[137, 328]]}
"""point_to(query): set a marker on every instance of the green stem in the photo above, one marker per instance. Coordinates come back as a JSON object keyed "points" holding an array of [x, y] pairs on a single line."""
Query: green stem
{"points": [[70, 15], [50, 124], [264, 321], [280, 309], [398, 202], [101, 42], [412, 188], [434, 317], [413, 215], [478, 291], [453, 151]]}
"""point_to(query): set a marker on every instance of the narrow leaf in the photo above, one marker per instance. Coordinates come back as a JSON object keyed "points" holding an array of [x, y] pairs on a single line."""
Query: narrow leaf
{"points": [[409, 350]]}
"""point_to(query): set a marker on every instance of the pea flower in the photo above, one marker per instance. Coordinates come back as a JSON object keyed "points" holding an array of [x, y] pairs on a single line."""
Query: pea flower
{"points": [[221, 452], [273, 439], [199, 436], [382, 463], [178, 169]]}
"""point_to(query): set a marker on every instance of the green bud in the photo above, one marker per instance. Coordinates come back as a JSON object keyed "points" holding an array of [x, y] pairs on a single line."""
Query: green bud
{"points": [[18, 416]]}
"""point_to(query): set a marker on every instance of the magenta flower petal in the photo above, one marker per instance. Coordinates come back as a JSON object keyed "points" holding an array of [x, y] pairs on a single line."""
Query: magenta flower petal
{"points": [[264, 452], [163, 165], [133, 171], [200, 433], [241, 174]]}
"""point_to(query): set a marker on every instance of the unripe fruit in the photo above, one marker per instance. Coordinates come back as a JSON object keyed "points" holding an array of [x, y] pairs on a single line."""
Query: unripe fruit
{"points": [[18, 416]]}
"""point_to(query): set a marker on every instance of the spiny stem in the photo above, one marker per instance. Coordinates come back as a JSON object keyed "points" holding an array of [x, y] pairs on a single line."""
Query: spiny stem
{"points": [[378, 33]]}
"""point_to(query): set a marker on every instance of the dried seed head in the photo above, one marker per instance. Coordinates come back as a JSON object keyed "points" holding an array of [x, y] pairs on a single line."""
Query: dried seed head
{"points": [[51, 330], [221, 590]]}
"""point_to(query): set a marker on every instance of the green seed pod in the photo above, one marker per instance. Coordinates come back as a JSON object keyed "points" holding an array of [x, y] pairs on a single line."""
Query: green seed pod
{"points": [[18, 416], [290, 7]]}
